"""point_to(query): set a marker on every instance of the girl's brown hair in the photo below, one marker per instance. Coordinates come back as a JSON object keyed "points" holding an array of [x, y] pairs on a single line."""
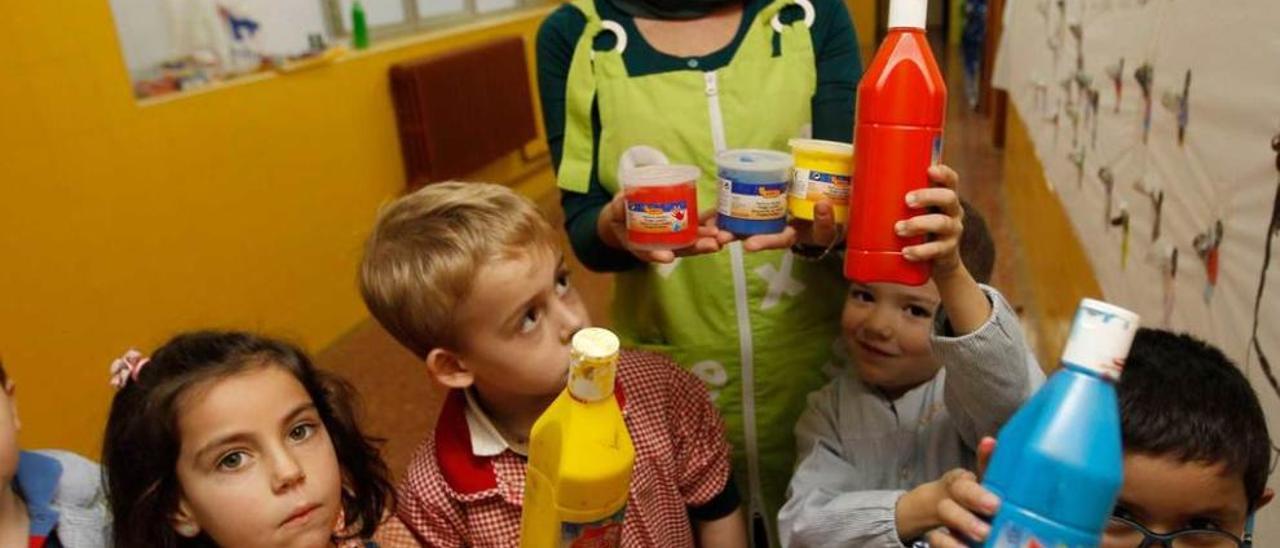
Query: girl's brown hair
{"points": [[142, 441]]}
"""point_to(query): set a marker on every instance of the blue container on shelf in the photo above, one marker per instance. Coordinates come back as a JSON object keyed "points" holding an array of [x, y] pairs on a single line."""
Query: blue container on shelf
{"points": [[753, 191]]}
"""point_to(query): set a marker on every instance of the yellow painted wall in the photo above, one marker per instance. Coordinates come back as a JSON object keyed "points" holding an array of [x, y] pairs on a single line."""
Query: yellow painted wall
{"points": [[864, 22], [956, 25], [1058, 272], [120, 224]]}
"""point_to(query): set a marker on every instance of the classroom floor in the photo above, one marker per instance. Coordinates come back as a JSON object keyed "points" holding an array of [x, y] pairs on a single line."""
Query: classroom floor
{"points": [[400, 403]]}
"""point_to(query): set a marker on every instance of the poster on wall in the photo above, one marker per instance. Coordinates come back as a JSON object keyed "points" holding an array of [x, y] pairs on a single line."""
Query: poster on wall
{"points": [[1158, 125]]}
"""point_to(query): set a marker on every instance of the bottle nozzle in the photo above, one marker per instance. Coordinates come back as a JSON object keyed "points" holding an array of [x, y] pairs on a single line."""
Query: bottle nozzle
{"points": [[593, 364], [908, 13], [1101, 335]]}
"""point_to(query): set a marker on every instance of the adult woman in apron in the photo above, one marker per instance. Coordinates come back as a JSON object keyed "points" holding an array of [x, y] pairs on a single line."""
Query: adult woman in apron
{"points": [[630, 82]]}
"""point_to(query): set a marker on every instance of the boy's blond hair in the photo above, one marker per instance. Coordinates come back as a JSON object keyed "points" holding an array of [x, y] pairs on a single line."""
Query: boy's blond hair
{"points": [[426, 248]]}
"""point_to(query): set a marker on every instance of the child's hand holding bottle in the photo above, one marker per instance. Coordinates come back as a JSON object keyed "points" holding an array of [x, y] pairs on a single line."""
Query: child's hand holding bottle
{"points": [[966, 305]]}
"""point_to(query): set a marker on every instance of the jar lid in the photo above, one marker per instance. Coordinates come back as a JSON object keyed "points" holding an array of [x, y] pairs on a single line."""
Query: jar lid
{"points": [[821, 146], [754, 160], [659, 175]]}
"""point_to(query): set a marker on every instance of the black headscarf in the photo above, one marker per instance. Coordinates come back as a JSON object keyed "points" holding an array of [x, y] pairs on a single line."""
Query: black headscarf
{"points": [[671, 9]]}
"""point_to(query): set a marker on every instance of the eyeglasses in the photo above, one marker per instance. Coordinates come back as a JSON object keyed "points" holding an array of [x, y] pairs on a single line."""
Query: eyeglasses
{"points": [[1125, 533]]}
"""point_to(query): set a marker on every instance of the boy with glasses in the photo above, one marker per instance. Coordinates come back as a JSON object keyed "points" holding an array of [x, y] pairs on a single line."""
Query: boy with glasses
{"points": [[1196, 454]]}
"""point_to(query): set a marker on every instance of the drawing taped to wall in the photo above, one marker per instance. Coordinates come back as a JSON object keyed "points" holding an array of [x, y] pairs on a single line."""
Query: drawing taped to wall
{"points": [[1077, 158], [1164, 257], [1108, 180], [1122, 220], [1178, 103], [1091, 115], [1206, 245], [1116, 73], [1145, 75], [1156, 195], [1073, 114]]}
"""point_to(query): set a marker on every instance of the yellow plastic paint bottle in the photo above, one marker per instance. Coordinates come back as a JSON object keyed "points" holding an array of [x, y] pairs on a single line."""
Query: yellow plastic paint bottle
{"points": [[580, 455]]}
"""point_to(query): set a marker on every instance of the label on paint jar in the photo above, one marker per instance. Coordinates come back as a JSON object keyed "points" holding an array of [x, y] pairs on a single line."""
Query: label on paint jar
{"points": [[752, 201], [814, 186], [658, 217], [606, 533]]}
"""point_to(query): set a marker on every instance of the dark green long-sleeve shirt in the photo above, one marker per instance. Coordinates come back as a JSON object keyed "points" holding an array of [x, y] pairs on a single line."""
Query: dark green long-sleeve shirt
{"points": [[839, 66]]}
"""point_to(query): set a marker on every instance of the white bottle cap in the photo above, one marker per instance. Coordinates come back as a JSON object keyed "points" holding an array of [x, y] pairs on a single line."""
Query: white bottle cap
{"points": [[1101, 335], [593, 364], [908, 13]]}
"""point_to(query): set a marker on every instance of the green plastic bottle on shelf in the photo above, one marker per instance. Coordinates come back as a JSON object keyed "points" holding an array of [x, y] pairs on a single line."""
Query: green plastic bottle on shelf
{"points": [[359, 27]]}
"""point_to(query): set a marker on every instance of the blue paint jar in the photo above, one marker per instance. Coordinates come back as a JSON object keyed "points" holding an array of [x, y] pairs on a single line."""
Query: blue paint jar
{"points": [[753, 191]]}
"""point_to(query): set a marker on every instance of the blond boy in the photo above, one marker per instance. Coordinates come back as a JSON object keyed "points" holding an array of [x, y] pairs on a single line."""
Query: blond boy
{"points": [[469, 277]]}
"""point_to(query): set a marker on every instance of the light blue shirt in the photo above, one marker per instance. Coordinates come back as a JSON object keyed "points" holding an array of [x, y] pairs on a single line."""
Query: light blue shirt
{"points": [[858, 452]]}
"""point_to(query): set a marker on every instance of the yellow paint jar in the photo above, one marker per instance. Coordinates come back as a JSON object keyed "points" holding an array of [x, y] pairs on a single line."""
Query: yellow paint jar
{"points": [[823, 171]]}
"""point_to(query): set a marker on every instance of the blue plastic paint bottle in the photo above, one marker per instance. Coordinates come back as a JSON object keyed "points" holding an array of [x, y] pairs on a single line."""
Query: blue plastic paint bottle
{"points": [[1058, 462], [753, 191]]}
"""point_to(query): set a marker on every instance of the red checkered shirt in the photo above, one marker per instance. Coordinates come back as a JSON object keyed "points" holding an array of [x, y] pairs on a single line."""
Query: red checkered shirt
{"points": [[451, 497]]}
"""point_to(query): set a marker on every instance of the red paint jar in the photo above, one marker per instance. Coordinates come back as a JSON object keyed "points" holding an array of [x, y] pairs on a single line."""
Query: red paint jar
{"points": [[662, 206]]}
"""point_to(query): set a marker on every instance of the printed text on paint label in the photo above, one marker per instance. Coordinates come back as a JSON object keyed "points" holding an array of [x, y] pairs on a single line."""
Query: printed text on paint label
{"points": [[658, 218], [751, 201], [606, 533], [816, 185]]}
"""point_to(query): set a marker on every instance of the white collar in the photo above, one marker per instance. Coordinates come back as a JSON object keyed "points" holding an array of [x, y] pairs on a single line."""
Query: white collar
{"points": [[486, 440]]}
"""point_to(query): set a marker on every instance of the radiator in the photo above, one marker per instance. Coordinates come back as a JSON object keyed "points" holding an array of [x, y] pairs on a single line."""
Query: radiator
{"points": [[459, 111]]}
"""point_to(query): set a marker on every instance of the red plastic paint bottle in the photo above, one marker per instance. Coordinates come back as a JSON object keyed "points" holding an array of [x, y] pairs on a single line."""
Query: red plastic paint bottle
{"points": [[902, 102]]}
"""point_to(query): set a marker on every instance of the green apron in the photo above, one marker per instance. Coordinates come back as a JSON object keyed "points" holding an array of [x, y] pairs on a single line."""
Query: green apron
{"points": [[758, 327]]}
